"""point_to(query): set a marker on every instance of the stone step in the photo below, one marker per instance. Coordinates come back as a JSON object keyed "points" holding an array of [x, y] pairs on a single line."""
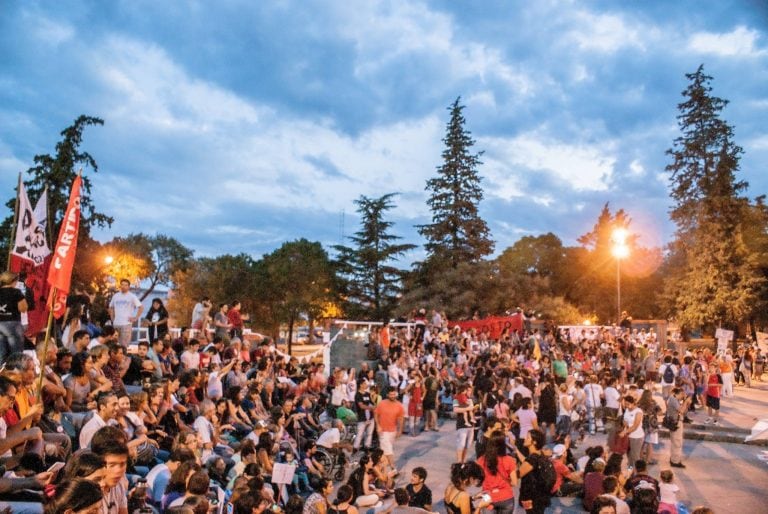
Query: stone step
{"points": [[718, 428], [735, 436]]}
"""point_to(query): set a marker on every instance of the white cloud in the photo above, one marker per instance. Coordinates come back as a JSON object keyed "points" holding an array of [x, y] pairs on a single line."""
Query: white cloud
{"points": [[740, 42], [758, 143], [385, 33], [247, 151], [605, 33], [48, 31], [636, 168], [583, 167]]}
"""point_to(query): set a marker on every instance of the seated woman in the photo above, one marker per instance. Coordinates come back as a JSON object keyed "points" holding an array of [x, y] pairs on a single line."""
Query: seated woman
{"points": [[361, 482], [457, 499]]}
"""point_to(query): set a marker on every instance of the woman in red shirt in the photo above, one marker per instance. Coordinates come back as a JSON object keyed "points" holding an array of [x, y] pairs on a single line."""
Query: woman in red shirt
{"points": [[500, 474]]}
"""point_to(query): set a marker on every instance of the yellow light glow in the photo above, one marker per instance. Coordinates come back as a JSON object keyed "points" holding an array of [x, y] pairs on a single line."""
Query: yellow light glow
{"points": [[109, 259], [586, 322], [619, 236], [620, 251]]}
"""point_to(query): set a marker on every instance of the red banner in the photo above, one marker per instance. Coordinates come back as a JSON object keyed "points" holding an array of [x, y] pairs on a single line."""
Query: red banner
{"points": [[492, 325], [37, 291], [60, 272]]}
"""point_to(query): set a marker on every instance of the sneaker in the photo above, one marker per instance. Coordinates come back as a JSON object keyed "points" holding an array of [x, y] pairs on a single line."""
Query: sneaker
{"points": [[677, 465], [708, 421], [716, 422]]}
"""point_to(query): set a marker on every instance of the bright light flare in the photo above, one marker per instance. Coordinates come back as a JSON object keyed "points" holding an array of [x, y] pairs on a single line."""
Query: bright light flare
{"points": [[620, 251], [109, 260], [619, 236]]}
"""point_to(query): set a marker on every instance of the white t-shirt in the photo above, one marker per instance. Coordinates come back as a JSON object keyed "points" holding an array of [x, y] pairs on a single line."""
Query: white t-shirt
{"points": [[629, 419], [328, 438], [215, 387], [668, 493], [612, 398], [526, 417], [662, 369], [124, 305], [3, 435], [190, 360], [593, 393]]}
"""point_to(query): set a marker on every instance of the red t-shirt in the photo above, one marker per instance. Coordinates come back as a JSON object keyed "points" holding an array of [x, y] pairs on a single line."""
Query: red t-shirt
{"points": [[561, 473], [712, 390], [498, 485], [388, 413]]}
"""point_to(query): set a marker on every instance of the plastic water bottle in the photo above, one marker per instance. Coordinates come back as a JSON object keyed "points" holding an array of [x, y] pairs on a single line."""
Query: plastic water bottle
{"points": [[681, 508]]}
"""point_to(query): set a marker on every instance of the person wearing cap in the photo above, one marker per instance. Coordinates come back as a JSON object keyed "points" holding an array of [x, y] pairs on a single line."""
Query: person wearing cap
{"points": [[568, 481], [640, 478], [12, 305]]}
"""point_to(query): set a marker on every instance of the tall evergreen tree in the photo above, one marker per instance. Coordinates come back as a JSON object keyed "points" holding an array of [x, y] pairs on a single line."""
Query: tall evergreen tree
{"points": [[457, 233], [57, 172], [714, 282], [373, 283]]}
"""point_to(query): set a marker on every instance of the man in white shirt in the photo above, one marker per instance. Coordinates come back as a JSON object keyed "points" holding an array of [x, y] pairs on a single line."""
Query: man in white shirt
{"points": [[190, 358], [668, 373], [594, 392], [106, 403], [520, 388], [204, 428], [124, 309]]}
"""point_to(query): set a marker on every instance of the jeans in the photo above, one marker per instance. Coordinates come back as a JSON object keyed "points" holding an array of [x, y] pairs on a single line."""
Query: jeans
{"points": [[504, 507], [364, 433], [11, 338]]}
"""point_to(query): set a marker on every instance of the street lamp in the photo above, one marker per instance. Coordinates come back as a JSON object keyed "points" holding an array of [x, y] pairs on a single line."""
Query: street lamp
{"points": [[620, 250]]}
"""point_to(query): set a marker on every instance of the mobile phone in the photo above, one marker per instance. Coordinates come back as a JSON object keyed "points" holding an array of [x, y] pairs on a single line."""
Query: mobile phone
{"points": [[55, 467]]}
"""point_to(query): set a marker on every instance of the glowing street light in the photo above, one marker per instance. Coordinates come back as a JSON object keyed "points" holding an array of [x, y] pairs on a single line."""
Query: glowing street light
{"points": [[620, 250]]}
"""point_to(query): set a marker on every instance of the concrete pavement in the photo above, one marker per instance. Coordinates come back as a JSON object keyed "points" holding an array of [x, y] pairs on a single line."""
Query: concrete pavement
{"points": [[727, 477]]}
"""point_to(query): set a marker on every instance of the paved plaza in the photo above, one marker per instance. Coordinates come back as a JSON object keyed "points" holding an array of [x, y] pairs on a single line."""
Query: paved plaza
{"points": [[727, 477]]}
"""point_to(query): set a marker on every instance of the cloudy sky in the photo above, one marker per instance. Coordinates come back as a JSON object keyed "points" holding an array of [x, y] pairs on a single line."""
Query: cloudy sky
{"points": [[237, 125]]}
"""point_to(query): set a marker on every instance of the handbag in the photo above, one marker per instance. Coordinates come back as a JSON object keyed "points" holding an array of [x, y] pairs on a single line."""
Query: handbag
{"points": [[620, 445], [670, 424]]}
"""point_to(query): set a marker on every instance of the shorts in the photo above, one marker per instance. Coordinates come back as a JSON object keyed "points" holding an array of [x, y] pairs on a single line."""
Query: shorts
{"points": [[713, 403], [387, 442], [464, 438]]}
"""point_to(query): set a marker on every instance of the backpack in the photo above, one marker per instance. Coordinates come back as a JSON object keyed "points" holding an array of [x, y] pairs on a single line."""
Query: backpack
{"points": [[547, 476], [669, 375]]}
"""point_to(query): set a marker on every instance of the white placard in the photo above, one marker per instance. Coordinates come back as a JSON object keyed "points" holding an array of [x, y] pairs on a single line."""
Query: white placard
{"points": [[282, 473], [723, 337], [762, 341]]}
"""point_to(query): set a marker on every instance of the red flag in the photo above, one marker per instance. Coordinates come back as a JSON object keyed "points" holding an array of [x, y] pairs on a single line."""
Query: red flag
{"points": [[60, 272], [30, 257]]}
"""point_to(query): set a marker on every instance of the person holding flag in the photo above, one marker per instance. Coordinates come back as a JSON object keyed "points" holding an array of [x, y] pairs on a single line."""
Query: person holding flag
{"points": [[30, 257], [12, 305]]}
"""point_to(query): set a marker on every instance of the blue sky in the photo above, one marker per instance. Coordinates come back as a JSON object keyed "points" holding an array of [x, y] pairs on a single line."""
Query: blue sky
{"points": [[237, 125]]}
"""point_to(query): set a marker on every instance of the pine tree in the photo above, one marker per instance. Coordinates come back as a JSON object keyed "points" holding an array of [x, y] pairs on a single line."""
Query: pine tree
{"points": [[714, 281], [373, 283], [457, 233], [57, 173]]}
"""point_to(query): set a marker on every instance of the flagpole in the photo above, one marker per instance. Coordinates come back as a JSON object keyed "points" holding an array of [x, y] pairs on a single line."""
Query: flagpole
{"points": [[45, 347], [13, 226]]}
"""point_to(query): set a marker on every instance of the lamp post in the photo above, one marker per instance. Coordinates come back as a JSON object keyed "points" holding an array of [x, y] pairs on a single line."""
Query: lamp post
{"points": [[620, 251]]}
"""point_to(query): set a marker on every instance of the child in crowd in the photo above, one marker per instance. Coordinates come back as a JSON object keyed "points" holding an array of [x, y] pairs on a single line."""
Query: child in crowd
{"points": [[668, 492]]}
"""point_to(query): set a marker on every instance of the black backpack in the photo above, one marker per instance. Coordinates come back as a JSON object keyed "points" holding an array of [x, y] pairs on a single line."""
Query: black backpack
{"points": [[547, 476], [669, 375]]}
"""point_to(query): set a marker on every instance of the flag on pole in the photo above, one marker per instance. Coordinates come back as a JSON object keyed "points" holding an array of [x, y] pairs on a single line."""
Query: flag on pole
{"points": [[60, 272], [30, 257], [30, 247]]}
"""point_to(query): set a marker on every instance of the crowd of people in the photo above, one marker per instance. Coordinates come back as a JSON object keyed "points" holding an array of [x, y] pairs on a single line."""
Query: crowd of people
{"points": [[213, 422]]}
